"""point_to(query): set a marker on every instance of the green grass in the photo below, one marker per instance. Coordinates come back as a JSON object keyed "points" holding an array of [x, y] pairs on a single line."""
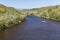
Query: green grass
{"points": [[10, 16], [50, 12]]}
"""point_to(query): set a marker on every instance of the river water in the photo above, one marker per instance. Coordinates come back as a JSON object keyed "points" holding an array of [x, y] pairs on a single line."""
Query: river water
{"points": [[33, 28]]}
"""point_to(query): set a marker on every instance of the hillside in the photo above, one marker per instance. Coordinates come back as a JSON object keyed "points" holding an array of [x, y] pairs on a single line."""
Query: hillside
{"points": [[50, 12], [10, 16]]}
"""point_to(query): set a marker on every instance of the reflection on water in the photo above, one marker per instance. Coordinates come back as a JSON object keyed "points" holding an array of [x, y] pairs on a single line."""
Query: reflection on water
{"points": [[43, 21], [6, 33]]}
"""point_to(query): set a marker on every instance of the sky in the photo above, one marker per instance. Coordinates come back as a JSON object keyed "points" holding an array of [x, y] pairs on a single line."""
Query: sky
{"points": [[28, 4]]}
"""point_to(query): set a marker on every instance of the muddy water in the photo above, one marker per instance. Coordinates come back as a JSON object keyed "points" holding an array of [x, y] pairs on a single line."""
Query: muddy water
{"points": [[33, 28]]}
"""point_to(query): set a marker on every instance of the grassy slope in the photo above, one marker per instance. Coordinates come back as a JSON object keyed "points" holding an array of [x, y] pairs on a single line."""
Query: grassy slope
{"points": [[50, 12], [10, 16]]}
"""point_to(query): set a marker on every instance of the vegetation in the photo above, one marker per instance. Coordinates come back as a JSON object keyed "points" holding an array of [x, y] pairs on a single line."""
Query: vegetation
{"points": [[10, 16], [50, 12]]}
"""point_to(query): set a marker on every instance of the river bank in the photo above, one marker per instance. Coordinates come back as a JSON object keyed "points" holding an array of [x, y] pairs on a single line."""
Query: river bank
{"points": [[33, 28]]}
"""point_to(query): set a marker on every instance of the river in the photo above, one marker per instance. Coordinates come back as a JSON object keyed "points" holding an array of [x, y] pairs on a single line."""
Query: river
{"points": [[33, 28]]}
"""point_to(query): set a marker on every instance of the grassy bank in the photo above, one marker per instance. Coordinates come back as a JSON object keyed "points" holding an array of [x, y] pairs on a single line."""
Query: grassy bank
{"points": [[50, 12], [10, 16]]}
